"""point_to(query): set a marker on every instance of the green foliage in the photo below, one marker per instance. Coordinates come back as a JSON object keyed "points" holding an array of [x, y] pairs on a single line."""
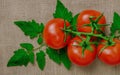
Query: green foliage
{"points": [[62, 12], [30, 28], [22, 56], [40, 40], [31, 57], [64, 58], [27, 46], [59, 57], [74, 23], [53, 55], [116, 24], [19, 58], [41, 59]]}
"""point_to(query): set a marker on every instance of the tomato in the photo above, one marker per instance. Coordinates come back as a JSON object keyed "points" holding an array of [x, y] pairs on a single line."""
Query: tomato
{"points": [[83, 19], [53, 34], [75, 53], [111, 54]]}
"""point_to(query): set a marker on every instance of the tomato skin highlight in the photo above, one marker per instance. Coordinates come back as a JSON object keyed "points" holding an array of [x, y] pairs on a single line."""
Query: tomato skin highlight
{"points": [[75, 53], [83, 18], [111, 54], [54, 35]]}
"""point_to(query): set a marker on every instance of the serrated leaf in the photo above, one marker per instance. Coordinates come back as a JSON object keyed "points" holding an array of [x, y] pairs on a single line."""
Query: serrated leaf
{"points": [[74, 22], [64, 58], [116, 24], [31, 57], [41, 27], [19, 58], [41, 59], [27, 46], [40, 40], [62, 12], [30, 28], [60, 57], [53, 55]]}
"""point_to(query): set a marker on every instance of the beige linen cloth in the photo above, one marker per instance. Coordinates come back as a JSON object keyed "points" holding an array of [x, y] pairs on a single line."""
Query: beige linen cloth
{"points": [[41, 10]]}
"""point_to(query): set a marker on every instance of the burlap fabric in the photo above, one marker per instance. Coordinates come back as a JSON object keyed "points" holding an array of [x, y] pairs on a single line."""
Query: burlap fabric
{"points": [[41, 11]]}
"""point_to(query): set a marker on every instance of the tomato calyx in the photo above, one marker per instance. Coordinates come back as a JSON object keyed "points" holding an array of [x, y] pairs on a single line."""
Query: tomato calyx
{"points": [[94, 24], [85, 44], [109, 42]]}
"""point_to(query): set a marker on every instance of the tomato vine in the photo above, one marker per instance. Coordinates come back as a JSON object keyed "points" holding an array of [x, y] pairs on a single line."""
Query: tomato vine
{"points": [[69, 39]]}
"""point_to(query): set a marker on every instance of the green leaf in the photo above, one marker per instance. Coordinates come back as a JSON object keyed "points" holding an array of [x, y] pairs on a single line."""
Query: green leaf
{"points": [[30, 28], [41, 28], [41, 59], [53, 55], [62, 12], [31, 57], [19, 58], [27, 46], [40, 40], [116, 24], [74, 23], [59, 57], [64, 58]]}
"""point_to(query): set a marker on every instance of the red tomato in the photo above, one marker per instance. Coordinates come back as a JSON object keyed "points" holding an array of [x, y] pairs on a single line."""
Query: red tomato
{"points": [[111, 54], [83, 18], [54, 35], [75, 53]]}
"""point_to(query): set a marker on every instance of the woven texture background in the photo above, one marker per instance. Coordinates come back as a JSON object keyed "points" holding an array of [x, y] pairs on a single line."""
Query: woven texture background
{"points": [[41, 11]]}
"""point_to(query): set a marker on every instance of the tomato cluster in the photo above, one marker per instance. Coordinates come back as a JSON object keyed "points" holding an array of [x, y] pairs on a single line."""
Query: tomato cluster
{"points": [[81, 49]]}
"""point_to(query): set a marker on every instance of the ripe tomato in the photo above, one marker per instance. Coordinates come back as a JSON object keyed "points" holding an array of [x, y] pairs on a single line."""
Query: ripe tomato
{"points": [[54, 35], [75, 53], [111, 54], [83, 18]]}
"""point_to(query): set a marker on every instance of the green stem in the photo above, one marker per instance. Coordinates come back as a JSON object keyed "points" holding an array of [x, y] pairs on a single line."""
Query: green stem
{"points": [[97, 20], [39, 47], [103, 49], [83, 50], [96, 43], [89, 34], [65, 27], [87, 39], [92, 28]]}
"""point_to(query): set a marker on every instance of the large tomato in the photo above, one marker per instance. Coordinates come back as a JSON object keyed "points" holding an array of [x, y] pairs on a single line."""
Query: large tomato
{"points": [[53, 34], [111, 54], [83, 19], [75, 53]]}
